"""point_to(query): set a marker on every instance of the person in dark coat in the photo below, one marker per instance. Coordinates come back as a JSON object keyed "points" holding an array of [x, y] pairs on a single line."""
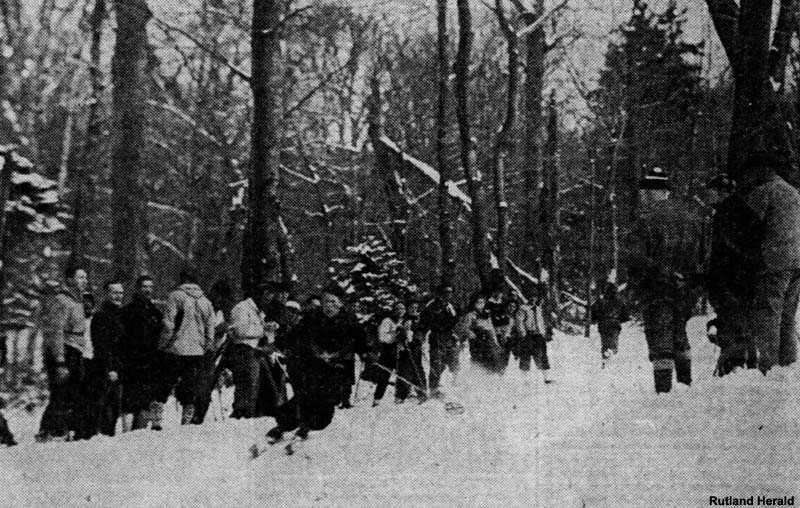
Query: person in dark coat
{"points": [[317, 365], [437, 324], [609, 313], [665, 264], [410, 357], [142, 324], [107, 335], [733, 264], [776, 292]]}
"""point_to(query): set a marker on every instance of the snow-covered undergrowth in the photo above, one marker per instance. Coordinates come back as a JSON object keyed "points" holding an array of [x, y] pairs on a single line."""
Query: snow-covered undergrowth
{"points": [[597, 437]]}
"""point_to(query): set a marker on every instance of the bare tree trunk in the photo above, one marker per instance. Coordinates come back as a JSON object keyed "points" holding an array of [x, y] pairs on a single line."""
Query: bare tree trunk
{"points": [[264, 225], [129, 68], [592, 235], [388, 165], [549, 215], [781, 42], [445, 174], [535, 52], [83, 170], [468, 148], [504, 135]]}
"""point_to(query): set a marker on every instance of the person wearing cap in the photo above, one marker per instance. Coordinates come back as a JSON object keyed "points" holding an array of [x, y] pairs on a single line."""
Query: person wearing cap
{"points": [[609, 313], [733, 263], [316, 365], [776, 292], [665, 257]]}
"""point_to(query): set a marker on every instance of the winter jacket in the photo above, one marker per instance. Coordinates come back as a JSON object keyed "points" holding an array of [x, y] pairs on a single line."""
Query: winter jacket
{"points": [[63, 324], [189, 322], [665, 251], [393, 332], [777, 205], [609, 314], [528, 320], [247, 324], [107, 337], [142, 323], [334, 339], [440, 319], [474, 327], [735, 257]]}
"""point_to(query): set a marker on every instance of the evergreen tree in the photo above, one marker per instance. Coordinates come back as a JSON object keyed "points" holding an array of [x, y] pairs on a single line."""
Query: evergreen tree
{"points": [[650, 90], [373, 276]]}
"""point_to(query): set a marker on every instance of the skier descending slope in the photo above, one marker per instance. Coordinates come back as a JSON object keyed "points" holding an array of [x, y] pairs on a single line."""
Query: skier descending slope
{"points": [[316, 364], [664, 265]]}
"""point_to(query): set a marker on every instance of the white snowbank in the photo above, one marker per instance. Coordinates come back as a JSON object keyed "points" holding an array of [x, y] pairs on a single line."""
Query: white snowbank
{"points": [[594, 438]]}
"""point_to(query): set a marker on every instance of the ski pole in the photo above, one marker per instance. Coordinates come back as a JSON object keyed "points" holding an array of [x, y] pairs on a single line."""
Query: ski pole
{"points": [[449, 406]]}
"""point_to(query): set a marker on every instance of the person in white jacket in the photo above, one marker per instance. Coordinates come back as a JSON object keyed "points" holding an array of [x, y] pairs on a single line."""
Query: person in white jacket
{"points": [[527, 335]]}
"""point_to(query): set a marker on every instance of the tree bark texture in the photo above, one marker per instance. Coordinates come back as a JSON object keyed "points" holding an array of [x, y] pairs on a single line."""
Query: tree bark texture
{"points": [[474, 185], [262, 241], [448, 263], [129, 69]]}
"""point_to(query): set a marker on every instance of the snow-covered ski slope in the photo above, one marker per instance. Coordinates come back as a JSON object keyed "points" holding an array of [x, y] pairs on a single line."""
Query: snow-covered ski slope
{"points": [[595, 438]]}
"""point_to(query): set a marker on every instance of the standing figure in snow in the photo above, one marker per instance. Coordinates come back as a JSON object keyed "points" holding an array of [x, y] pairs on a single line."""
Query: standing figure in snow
{"points": [[247, 328], [732, 268], [64, 344], [776, 205], [317, 365], [142, 323], [497, 305], [438, 322], [527, 336], [609, 313], [6, 437], [410, 356], [189, 333], [664, 262], [476, 329], [107, 335], [392, 335]]}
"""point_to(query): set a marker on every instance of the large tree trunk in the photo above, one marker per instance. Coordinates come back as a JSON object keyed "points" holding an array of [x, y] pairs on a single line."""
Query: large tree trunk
{"points": [[79, 233], [535, 52], [757, 118], [388, 165], [749, 123], [549, 216], [261, 242], [129, 68], [445, 175], [468, 148], [504, 135]]}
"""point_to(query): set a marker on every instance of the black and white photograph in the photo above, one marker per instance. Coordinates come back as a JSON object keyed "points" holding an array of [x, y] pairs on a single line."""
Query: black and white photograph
{"points": [[399, 253]]}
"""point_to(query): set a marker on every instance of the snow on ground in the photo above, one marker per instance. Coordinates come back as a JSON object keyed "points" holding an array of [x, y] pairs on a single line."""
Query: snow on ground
{"points": [[595, 438]]}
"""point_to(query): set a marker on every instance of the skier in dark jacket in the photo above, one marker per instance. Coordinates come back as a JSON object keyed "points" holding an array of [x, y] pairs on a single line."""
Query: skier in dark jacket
{"points": [[142, 323], [732, 268], [609, 313], [317, 365], [665, 259], [776, 205], [438, 322], [107, 335]]}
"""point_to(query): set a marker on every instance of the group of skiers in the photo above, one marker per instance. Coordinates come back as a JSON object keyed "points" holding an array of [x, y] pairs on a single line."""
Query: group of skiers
{"points": [[115, 362]]}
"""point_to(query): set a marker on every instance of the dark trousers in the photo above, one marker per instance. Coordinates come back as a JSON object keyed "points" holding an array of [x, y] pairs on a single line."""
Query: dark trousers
{"points": [[245, 368], [180, 373], [388, 359], [609, 342], [410, 368], [737, 348], [665, 331], [108, 406], [6, 437], [444, 352], [772, 318], [317, 388], [68, 407], [207, 379]]}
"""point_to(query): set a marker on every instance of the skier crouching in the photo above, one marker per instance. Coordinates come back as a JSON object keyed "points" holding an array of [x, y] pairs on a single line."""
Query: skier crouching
{"points": [[317, 365]]}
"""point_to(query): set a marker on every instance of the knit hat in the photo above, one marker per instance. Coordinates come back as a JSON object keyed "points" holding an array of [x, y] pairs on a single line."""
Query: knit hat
{"points": [[722, 182], [655, 179]]}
